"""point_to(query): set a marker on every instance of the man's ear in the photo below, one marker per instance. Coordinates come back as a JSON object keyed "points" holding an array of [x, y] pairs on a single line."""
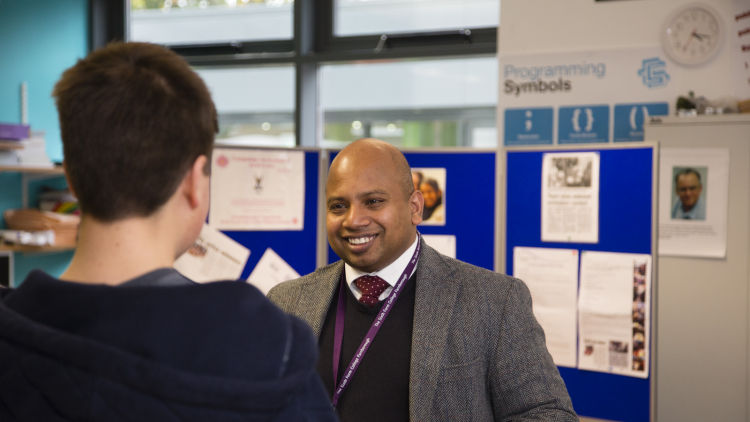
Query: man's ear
{"points": [[195, 185], [416, 202], [67, 178]]}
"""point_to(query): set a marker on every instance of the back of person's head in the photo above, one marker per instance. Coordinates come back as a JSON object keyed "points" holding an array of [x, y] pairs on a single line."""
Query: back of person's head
{"points": [[134, 118]]}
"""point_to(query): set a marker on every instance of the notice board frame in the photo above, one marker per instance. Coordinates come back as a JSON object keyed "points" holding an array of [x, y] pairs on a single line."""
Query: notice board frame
{"points": [[420, 158], [574, 377], [299, 248]]}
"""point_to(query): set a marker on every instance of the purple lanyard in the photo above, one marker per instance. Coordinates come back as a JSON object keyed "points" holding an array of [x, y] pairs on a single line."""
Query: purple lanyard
{"points": [[382, 315]]}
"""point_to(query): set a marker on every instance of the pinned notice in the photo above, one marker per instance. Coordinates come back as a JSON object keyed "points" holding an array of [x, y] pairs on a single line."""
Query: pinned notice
{"points": [[552, 278], [213, 257], [570, 197], [443, 243], [257, 190], [614, 313], [694, 201], [270, 271]]}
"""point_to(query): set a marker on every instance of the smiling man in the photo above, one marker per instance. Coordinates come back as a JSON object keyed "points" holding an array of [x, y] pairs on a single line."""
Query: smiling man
{"points": [[406, 333], [690, 204]]}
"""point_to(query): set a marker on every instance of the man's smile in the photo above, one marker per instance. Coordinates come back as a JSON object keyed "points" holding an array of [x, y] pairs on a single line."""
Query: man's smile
{"points": [[360, 240], [360, 243]]}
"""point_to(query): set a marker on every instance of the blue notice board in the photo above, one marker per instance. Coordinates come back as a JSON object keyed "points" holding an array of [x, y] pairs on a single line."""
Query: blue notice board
{"points": [[469, 202], [298, 247], [625, 225]]}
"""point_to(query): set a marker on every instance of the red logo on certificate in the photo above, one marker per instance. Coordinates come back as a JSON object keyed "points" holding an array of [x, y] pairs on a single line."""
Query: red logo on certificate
{"points": [[222, 161]]}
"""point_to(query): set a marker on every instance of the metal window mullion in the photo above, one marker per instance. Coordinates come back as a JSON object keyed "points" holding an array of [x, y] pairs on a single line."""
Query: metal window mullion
{"points": [[308, 125], [306, 113]]}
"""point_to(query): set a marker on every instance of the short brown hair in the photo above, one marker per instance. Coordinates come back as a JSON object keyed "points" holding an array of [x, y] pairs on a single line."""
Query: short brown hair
{"points": [[134, 118]]}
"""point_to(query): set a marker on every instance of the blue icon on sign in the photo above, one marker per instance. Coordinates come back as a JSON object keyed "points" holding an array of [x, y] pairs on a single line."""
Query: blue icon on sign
{"points": [[653, 73], [583, 124], [528, 126], [629, 119]]}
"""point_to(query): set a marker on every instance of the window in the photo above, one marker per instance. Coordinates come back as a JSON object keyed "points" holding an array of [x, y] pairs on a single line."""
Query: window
{"points": [[416, 73], [255, 105], [194, 22], [436, 103], [363, 17]]}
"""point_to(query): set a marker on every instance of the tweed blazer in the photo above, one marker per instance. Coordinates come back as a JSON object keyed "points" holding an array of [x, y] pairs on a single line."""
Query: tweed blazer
{"points": [[478, 353]]}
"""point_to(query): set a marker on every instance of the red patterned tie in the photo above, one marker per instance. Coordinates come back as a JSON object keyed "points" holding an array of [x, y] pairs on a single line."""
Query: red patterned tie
{"points": [[371, 287]]}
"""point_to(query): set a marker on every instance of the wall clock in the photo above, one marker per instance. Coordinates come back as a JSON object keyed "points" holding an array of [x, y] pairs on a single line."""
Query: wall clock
{"points": [[693, 34]]}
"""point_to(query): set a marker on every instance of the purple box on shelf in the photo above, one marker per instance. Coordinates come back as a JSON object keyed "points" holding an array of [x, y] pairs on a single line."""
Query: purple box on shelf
{"points": [[13, 132]]}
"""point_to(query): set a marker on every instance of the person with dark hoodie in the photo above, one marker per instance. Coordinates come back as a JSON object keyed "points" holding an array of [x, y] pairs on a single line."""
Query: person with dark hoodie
{"points": [[120, 335]]}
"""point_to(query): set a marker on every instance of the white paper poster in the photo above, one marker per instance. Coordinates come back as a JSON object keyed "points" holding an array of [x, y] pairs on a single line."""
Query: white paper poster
{"points": [[443, 243], [614, 313], [213, 257], [270, 271], [257, 189], [552, 278], [595, 96], [739, 34], [570, 197], [693, 202]]}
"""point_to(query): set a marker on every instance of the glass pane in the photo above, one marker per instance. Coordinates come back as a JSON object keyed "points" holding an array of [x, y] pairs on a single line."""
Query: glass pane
{"points": [[255, 105], [368, 17], [439, 103], [190, 22]]}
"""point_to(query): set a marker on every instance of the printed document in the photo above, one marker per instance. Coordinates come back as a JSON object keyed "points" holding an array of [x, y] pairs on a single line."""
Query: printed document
{"points": [[552, 278], [614, 313], [443, 243], [270, 271], [693, 202], [570, 197], [213, 257]]}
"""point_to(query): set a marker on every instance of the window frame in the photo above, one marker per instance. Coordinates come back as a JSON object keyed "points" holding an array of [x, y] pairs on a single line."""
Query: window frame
{"points": [[313, 44]]}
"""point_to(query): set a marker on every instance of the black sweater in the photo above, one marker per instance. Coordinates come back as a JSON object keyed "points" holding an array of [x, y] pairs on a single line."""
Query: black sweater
{"points": [[379, 390]]}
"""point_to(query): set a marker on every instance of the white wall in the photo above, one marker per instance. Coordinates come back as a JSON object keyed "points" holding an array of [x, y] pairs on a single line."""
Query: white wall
{"points": [[555, 25]]}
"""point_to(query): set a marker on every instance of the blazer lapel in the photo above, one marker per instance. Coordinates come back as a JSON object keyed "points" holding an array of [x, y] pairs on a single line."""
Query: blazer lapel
{"points": [[436, 295], [315, 297]]}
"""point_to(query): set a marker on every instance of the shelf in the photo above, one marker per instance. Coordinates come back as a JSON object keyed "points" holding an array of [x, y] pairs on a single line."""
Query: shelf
{"points": [[34, 170], [35, 249], [11, 145]]}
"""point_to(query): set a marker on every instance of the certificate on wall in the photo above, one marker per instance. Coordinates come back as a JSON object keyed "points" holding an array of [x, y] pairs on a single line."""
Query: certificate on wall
{"points": [[614, 313], [552, 278], [257, 190], [693, 202], [570, 197]]}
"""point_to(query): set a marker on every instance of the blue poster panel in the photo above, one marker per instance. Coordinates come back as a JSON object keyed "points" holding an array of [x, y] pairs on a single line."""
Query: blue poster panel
{"points": [[583, 124], [528, 126], [469, 201], [629, 119], [625, 225]]}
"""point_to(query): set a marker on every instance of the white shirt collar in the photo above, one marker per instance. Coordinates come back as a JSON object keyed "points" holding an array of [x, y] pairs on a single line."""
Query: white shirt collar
{"points": [[390, 273]]}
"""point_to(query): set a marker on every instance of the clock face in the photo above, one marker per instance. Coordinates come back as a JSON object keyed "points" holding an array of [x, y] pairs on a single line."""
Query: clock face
{"points": [[693, 35]]}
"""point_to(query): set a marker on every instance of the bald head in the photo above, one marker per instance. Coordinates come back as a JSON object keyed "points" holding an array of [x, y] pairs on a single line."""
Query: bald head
{"points": [[372, 208], [367, 150]]}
